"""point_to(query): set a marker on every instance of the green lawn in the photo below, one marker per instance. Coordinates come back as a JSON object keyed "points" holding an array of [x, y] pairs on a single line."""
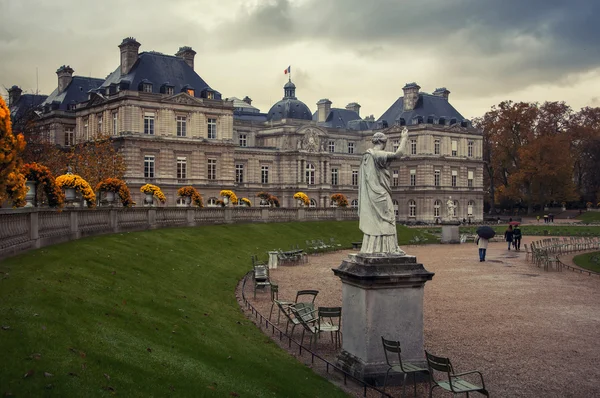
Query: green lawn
{"points": [[150, 314], [589, 216], [589, 261]]}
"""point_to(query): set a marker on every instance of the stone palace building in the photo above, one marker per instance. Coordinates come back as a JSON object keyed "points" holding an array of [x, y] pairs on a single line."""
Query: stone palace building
{"points": [[174, 129]]}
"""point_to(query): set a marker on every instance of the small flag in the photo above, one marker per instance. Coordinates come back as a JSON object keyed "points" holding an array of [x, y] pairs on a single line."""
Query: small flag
{"points": [[288, 70]]}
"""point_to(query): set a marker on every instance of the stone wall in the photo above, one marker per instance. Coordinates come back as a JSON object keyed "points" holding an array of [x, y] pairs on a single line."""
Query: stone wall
{"points": [[25, 229]]}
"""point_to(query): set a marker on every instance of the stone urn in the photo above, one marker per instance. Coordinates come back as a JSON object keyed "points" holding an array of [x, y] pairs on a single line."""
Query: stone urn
{"points": [[149, 200], [188, 201], [70, 194], [226, 200], [30, 195], [109, 196], [300, 203]]}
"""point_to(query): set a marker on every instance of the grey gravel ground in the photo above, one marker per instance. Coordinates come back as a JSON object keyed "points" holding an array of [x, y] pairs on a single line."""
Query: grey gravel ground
{"points": [[531, 333]]}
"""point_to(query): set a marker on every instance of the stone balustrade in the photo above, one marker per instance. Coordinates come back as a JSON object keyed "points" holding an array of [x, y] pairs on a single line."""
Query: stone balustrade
{"points": [[31, 228]]}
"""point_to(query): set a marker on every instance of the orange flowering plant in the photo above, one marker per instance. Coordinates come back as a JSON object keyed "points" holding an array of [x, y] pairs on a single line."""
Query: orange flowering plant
{"points": [[155, 191], [42, 175], [229, 194], [12, 182], [117, 186], [340, 199], [246, 201], [191, 192], [78, 183], [303, 197]]}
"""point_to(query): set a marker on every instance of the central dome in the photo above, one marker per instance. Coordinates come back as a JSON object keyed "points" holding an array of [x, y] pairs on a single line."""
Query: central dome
{"points": [[289, 107]]}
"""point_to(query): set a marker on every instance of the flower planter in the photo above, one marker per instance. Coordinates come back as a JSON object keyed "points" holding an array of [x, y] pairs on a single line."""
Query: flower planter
{"points": [[30, 195], [149, 200], [300, 203], [109, 196], [70, 194], [225, 200], [188, 201]]}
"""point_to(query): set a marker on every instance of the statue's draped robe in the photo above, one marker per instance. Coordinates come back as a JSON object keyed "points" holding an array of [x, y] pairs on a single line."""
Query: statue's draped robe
{"points": [[375, 207]]}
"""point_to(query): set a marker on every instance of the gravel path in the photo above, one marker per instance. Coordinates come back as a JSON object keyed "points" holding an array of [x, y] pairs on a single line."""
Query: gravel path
{"points": [[531, 333]]}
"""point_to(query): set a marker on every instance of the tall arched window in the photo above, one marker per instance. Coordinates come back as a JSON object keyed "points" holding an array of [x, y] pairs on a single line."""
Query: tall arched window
{"points": [[395, 203], [354, 203], [470, 208], [310, 174], [181, 201], [436, 208], [212, 202], [412, 208], [313, 203]]}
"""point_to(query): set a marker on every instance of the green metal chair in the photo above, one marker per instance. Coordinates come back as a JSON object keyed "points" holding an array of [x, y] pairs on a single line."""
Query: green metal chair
{"points": [[261, 277], [330, 320], [405, 368], [455, 384]]}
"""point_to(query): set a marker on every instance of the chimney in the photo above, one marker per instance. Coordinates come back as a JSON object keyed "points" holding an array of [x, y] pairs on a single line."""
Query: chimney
{"points": [[14, 95], [65, 75], [129, 54], [247, 100], [187, 54], [353, 106], [442, 92], [411, 96], [323, 108]]}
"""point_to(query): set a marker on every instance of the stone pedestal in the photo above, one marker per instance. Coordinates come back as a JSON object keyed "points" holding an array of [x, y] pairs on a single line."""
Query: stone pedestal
{"points": [[382, 295], [450, 233]]}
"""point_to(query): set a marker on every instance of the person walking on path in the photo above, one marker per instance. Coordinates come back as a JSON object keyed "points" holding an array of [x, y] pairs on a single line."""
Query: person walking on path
{"points": [[482, 244], [517, 235], [508, 235]]}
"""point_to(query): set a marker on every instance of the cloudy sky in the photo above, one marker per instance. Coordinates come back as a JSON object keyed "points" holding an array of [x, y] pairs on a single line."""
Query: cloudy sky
{"points": [[483, 51]]}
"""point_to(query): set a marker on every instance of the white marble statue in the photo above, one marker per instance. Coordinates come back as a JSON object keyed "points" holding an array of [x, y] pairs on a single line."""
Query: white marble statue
{"points": [[375, 207], [450, 207]]}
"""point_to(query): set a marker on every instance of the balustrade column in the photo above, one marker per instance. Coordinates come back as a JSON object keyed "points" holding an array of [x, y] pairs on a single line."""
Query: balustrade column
{"points": [[151, 217], [34, 229], [75, 233]]}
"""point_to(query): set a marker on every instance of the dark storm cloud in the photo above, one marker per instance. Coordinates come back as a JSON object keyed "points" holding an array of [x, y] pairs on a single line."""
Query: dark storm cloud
{"points": [[522, 41]]}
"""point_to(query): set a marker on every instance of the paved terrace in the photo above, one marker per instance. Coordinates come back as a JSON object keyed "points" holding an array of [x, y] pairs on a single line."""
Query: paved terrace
{"points": [[532, 333]]}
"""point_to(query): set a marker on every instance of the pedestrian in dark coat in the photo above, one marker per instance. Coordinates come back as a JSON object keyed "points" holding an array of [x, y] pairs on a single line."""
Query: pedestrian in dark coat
{"points": [[509, 235]]}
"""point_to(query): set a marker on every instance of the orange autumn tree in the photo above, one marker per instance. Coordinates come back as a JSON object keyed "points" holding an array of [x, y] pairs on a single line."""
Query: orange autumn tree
{"points": [[526, 150], [12, 182], [97, 160]]}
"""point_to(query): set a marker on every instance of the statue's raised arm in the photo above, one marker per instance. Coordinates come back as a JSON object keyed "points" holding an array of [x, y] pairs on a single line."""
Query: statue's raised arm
{"points": [[375, 206]]}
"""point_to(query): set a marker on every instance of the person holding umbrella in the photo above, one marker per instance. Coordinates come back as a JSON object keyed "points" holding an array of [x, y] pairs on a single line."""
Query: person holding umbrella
{"points": [[484, 234]]}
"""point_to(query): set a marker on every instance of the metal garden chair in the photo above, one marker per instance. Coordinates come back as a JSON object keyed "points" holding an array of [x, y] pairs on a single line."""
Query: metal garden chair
{"points": [[330, 320], [406, 368], [456, 383]]}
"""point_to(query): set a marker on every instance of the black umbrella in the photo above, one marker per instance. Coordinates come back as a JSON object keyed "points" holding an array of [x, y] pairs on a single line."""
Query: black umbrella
{"points": [[486, 232]]}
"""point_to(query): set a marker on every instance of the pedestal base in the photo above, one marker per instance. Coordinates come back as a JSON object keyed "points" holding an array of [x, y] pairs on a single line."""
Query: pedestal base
{"points": [[382, 295], [450, 234]]}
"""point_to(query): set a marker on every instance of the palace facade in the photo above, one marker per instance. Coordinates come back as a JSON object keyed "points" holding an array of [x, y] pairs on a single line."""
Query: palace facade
{"points": [[174, 129]]}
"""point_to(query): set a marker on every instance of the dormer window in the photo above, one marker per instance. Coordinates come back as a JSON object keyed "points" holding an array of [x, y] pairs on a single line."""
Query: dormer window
{"points": [[452, 121], [145, 86], [442, 121], [430, 119], [418, 120], [464, 123], [207, 93], [191, 91], [402, 122], [167, 89]]}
